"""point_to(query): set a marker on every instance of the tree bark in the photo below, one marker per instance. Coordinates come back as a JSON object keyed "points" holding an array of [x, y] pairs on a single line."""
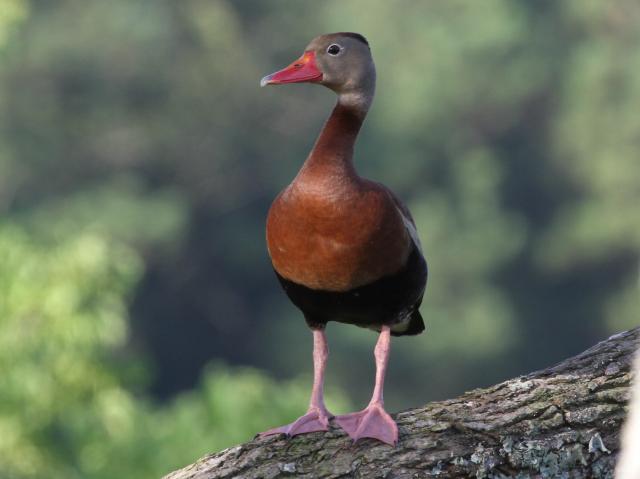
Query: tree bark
{"points": [[561, 422]]}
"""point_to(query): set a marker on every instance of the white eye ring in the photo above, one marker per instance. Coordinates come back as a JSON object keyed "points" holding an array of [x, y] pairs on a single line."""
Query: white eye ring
{"points": [[331, 49]]}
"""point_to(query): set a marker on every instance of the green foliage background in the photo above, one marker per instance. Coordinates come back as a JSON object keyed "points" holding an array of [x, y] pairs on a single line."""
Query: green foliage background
{"points": [[140, 322]]}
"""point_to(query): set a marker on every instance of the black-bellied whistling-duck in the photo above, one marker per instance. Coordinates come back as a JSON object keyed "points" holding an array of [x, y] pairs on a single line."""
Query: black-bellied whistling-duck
{"points": [[344, 248]]}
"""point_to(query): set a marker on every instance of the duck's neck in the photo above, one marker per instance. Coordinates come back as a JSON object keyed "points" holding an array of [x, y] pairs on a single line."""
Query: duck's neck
{"points": [[331, 159]]}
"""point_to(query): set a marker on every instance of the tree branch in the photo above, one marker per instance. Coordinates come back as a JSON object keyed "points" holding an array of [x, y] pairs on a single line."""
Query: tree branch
{"points": [[563, 421]]}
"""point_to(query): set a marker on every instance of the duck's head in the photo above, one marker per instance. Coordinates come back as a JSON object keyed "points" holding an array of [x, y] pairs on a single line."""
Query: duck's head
{"points": [[340, 61]]}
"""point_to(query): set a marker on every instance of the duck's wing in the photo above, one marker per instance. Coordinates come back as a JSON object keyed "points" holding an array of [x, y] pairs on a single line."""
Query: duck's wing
{"points": [[414, 324], [407, 219]]}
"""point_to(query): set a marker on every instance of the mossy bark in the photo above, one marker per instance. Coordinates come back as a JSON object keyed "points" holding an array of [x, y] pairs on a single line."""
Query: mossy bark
{"points": [[562, 422]]}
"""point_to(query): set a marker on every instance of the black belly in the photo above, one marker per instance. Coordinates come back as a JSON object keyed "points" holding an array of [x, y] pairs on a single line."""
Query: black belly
{"points": [[388, 301]]}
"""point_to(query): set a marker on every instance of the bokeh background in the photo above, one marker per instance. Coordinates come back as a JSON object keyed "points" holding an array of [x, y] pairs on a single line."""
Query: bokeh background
{"points": [[140, 322]]}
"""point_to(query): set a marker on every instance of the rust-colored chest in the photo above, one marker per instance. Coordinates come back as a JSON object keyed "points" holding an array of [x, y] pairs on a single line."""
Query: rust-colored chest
{"points": [[338, 241]]}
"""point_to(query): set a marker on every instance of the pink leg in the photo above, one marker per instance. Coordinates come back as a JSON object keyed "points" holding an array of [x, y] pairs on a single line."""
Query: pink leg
{"points": [[373, 421], [317, 416]]}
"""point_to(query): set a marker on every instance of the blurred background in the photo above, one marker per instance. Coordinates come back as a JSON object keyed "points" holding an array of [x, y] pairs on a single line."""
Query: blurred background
{"points": [[141, 325]]}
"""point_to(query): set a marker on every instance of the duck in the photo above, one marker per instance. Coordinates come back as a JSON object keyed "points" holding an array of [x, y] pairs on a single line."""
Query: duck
{"points": [[344, 248]]}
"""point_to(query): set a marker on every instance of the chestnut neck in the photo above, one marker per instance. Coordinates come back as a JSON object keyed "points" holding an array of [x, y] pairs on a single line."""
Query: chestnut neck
{"points": [[331, 158]]}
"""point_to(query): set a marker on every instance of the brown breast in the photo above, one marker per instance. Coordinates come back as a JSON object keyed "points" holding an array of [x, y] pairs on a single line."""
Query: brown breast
{"points": [[336, 242]]}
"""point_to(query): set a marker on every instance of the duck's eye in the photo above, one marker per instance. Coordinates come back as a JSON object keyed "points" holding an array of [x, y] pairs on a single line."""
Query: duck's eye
{"points": [[334, 49]]}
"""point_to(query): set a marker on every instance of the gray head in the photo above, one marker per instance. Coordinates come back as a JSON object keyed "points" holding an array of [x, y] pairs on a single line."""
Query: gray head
{"points": [[340, 61]]}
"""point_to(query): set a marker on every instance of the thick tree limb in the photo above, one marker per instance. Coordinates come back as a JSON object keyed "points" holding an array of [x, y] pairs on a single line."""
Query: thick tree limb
{"points": [[562, 422]]}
